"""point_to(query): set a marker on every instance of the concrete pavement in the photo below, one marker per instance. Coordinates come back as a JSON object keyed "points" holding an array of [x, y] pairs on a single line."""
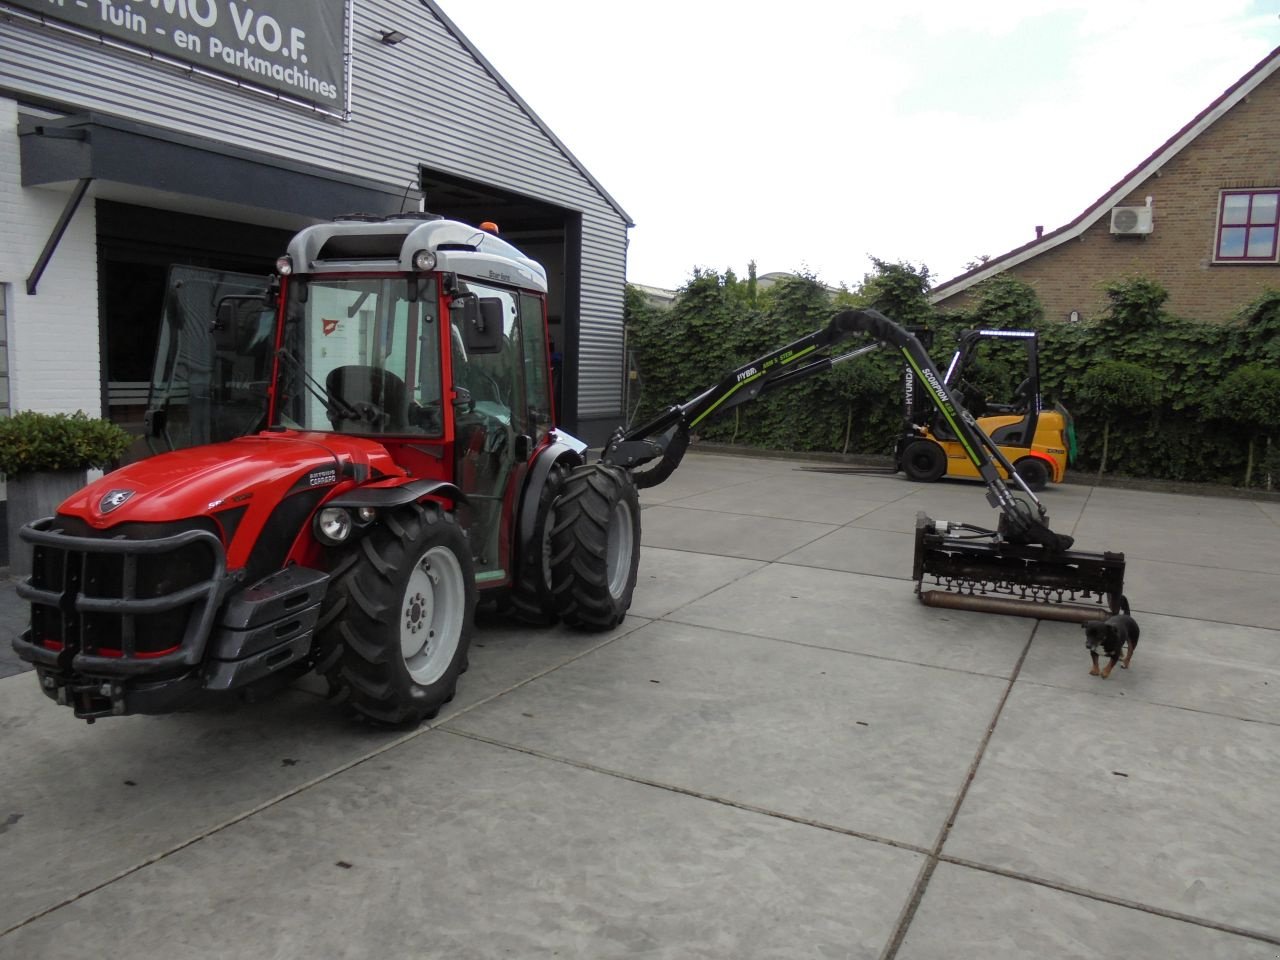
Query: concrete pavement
{"points": [[780, 753]]}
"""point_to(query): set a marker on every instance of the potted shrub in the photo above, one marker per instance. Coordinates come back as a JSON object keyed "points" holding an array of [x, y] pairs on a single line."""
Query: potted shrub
{"points": [[44, 457]]}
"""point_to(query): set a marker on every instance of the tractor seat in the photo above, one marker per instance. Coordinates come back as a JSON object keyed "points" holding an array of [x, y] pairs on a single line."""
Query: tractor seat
{"points": [[359, 385]]}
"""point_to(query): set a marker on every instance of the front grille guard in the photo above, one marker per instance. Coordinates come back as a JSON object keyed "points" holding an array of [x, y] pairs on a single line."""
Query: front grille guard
{"points": [[71, 603]]}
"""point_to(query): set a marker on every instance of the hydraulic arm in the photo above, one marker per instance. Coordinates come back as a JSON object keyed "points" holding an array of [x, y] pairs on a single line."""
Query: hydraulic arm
{"points": [[1026, 564]]}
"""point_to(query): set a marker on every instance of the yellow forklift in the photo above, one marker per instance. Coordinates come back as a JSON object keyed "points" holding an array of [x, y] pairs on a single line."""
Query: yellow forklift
{"points": [[1038, 442]]}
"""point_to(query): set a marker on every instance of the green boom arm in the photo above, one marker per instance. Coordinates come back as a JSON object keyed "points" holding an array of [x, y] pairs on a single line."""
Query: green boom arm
{"points": [[666, 437]]}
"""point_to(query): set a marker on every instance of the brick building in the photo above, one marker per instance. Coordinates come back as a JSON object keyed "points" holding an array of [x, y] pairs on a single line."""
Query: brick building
{"points": [[1200, 216]]}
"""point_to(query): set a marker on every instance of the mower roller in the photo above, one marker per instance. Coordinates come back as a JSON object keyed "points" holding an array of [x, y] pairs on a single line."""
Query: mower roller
{"points": [[1021, 567]]}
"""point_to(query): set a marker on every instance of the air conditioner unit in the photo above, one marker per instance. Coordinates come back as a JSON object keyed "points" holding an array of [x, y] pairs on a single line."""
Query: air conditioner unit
{"points": [[1131, 220]]}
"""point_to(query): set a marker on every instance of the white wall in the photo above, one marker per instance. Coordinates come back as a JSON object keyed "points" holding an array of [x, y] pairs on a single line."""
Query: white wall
{"points": [[54, 355]]}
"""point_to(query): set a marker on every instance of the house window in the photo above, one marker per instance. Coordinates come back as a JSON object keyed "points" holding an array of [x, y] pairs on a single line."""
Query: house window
{"points": [[1247, 226]]}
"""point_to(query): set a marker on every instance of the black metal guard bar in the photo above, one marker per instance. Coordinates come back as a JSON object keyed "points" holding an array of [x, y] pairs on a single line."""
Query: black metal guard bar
{"points": [[190, 647]]}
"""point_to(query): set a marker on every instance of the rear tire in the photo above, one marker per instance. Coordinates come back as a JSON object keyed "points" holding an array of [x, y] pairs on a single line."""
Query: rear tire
{"points": [[595, 547], [924, 461], [530, 600], [1034, 472], [405, 608]]}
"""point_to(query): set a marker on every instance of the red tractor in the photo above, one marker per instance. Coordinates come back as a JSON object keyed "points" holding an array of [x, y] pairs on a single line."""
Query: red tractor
{"points": [[406, 461]]}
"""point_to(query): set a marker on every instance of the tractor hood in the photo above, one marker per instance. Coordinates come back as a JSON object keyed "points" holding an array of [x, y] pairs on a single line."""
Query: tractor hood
{"points": [[256, 472]]}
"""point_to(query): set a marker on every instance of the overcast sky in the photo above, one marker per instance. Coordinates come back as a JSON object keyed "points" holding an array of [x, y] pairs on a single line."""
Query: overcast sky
{"points": [[812, 134]]}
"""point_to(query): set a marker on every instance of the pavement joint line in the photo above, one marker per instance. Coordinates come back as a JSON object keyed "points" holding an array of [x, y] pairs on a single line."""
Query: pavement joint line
{"points": [[831, 527], [931, 864], [1084, 506], [1221, 623], [424, 728], [703, 596], [1156, 703], [768, 516], [852, 525], [1267, 515], [1113, 900], [852, 573], [818, 646], [1201, 566], [790, 563], [687, 791], [715, 489]]}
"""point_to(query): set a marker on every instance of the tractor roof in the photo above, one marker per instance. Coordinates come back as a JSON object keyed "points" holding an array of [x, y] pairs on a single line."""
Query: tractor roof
{"points": [[382, 245]]}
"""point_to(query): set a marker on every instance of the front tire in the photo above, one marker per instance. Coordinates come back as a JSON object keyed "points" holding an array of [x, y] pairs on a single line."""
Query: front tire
{"points": [[595, 547], [404, 611], [924, 461]]}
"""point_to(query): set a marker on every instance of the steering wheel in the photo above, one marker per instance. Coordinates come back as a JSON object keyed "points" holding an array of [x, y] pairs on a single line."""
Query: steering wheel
{"points": [[372, 413]]}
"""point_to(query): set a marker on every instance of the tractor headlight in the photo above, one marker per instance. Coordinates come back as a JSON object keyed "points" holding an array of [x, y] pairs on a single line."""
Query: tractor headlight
{"points": [[333, 525], [366, 514], [284, 265], [424, 260]]}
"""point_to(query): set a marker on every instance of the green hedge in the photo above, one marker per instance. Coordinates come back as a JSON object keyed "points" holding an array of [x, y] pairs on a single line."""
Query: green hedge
{"points": [[33, 442], [1168, 397]]}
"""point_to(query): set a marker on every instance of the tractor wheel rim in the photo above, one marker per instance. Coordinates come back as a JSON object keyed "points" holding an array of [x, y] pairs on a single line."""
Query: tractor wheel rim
{"points": [[431, 615], [621, 544]]}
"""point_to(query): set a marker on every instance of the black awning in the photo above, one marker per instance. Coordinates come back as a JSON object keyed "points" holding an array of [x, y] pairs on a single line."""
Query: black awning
{"points": [[98, 147]]}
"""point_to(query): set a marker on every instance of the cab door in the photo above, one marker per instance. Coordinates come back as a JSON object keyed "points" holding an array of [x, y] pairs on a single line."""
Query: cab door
{"points": [[492, 438]]}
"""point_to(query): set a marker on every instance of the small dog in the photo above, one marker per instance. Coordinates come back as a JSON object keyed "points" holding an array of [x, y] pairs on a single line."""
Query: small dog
{"points": [[1113, 635]]}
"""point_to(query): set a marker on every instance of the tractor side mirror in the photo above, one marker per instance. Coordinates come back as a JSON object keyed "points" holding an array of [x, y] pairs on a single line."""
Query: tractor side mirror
{"points": [[481, 322]]}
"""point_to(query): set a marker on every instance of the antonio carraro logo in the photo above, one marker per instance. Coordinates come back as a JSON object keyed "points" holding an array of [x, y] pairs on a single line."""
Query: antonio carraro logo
{"points": [[113, 499]]}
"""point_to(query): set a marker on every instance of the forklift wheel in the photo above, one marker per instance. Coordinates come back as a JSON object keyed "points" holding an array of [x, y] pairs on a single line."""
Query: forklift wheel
{"points": [[402, 613], [1034, 473], [924, 461], [595, 547]]}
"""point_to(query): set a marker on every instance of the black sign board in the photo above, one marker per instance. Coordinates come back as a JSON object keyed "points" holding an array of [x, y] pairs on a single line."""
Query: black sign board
{"points": [[296, 49]]}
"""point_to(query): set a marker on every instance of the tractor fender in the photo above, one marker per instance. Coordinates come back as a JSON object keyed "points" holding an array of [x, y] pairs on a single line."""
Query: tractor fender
{"points": [[384, 497], [556, 452]]}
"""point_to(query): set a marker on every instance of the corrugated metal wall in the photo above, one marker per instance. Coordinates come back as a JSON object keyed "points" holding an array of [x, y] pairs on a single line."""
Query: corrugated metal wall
{"points": [[425, 101]]}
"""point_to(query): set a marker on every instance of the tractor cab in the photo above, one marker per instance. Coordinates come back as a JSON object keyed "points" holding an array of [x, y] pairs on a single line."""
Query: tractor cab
{"points": [[428, 336]]}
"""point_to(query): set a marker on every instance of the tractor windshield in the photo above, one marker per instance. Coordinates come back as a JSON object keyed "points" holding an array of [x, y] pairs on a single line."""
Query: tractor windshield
{"points": [[361, 356]]}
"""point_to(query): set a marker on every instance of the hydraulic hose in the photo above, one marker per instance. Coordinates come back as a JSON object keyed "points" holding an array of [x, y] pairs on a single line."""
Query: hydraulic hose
{"points": [[671, 458]]}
